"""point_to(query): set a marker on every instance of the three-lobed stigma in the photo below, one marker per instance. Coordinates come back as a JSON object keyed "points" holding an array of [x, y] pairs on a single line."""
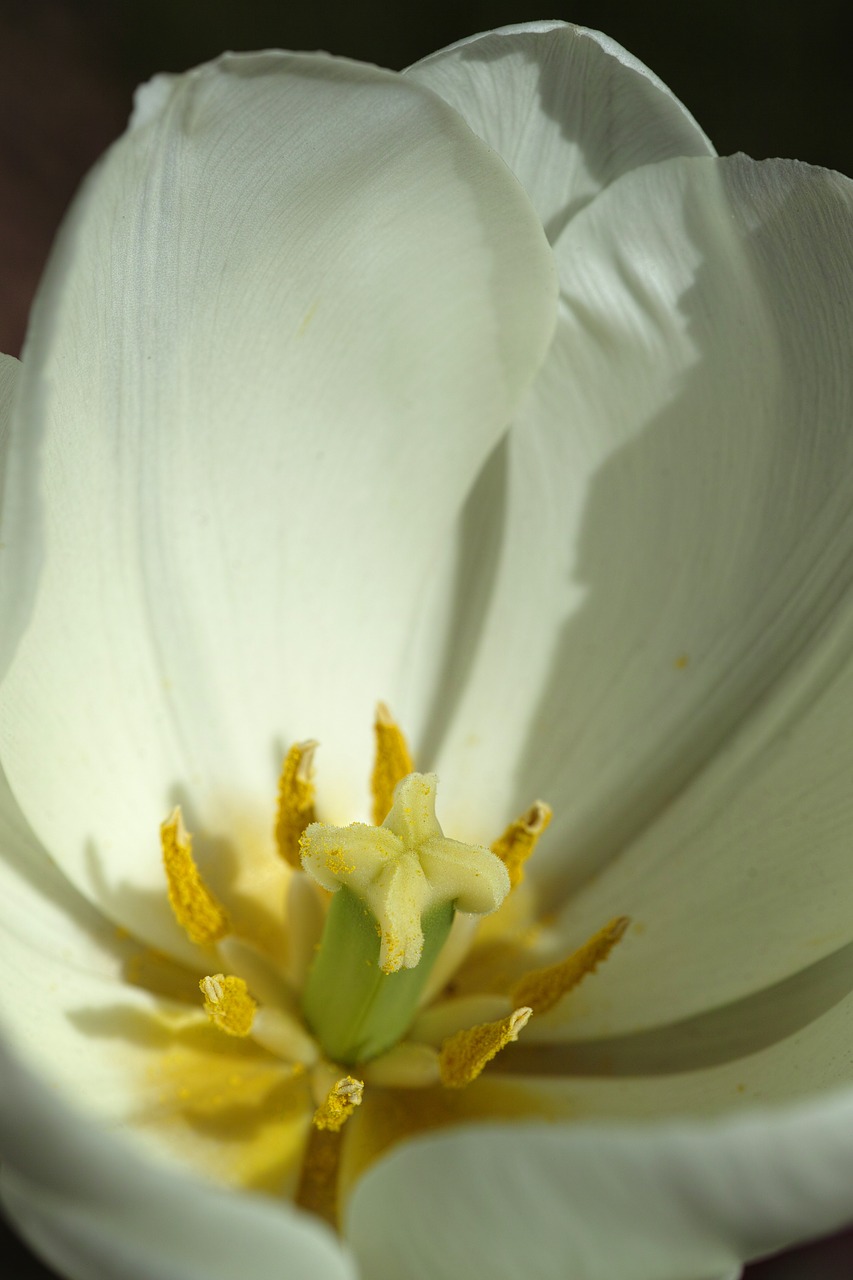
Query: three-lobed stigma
{"points": [[396, 890], [404, 869]]}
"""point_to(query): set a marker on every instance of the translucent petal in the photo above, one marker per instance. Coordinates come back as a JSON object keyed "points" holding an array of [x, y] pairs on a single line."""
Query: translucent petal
{"points": [[568, 109], [289, 315], [664, 653]]}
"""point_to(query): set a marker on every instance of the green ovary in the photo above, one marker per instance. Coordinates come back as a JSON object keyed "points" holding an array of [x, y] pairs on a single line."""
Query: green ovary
{"points": [[354, 1009]]}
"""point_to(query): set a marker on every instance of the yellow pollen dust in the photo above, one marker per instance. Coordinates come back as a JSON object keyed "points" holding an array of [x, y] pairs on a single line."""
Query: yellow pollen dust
{"points": [[543, 988], [203, 919], [228, 1004], [295, 807], [393, 761], [519, 840], [340, 1103], [464, 1055]]}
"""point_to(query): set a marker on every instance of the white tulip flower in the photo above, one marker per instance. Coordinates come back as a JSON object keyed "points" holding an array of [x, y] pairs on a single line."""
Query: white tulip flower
{"points": [[489, 391]]}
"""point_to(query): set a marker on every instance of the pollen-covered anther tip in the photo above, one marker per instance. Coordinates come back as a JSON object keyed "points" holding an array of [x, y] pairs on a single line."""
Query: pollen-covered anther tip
{"points": [[392, 761], [200, 915], [295, 805], [519, 840], [464, 1055], [228, 1004], [341, 1101]]}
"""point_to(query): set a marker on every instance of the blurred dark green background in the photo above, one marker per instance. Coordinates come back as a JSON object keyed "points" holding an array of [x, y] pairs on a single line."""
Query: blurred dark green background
{"points": [[771, 80]]}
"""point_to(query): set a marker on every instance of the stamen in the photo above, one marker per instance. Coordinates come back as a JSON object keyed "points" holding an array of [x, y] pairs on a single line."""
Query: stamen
{"points": [[519, 840], [442, 1019], [318, 1180], [284, 1035], [295, 808], [393, 761], [459, 942], [196, 910], [228, 1004], [259, 971], [465, 1054], [542, 988], [406, 1066], [340, 1103]]}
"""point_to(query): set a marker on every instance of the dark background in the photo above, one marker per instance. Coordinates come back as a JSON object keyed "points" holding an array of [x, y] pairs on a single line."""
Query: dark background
{"points": [[768, 80]]}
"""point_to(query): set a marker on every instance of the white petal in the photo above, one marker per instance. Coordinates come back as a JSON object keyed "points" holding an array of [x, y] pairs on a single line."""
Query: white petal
{"points": [[45, 917], [290, 313], [93, 1208], [745, 878], [568, 109], [644, 1203], [670, 531], [56, 952]]}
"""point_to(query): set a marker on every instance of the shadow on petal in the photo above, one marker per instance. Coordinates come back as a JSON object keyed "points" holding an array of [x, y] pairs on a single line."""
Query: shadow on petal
{"points": [[479, 542]]}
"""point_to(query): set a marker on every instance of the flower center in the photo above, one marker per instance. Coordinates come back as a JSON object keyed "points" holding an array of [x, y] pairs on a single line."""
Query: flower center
{"points": [[380, 918]]}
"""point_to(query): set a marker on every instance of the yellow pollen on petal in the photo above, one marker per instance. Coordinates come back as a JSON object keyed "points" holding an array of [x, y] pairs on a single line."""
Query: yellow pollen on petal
{"points": [[295, 807], [464, 1055], [228, 1004], [341, 1101], [519, 840], [542, 988], [393, 761], [203, 919]]}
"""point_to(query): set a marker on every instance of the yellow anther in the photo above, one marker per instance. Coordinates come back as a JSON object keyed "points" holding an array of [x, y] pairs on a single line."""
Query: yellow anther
{"points": [[341, 1101], [542, 988], [228, 1004], [392, 762], [519, 840], [196, 910], [464, 1055], [295, 808]]}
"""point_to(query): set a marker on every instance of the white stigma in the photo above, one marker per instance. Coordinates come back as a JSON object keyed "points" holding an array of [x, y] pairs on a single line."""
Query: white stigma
{"points": [[404, 868]]}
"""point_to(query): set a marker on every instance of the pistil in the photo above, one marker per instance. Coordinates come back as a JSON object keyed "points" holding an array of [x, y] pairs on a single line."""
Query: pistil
{"points": [[396, 888]]}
